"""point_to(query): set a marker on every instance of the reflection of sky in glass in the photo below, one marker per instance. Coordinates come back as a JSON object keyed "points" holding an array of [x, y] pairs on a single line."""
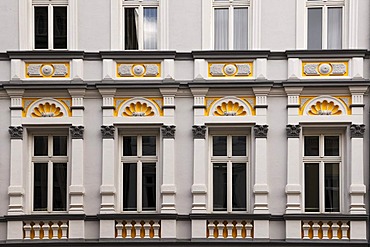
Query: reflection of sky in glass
{"points": [[150, 28]]}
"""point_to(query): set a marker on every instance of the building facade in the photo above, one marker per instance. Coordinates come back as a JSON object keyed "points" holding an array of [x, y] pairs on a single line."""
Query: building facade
{"points": [[184, 123]]}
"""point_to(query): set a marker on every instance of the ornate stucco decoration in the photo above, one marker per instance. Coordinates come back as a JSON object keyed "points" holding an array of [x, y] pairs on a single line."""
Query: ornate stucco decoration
{"points": [[16, 132], [325, 106], [46, 108], [260, 131], [199, 131], [325, 69], [230, 106], [47, 70], [77, 132], [107, 131], [138, 70], [293, 131], [357, 130], [138, 107], [168, 132], [230, 69]]}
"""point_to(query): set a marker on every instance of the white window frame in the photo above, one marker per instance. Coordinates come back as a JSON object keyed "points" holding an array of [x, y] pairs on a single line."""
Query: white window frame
{"points": [[50, 160], [230, 160], [139, 160], [322, 160]]}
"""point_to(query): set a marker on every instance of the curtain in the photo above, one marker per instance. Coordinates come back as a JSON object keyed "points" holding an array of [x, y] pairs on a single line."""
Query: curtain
{"points": [[240, 28], [59, 187], [150, 28], [131, 38], [334, 28], [314, 29], [221, 20]]}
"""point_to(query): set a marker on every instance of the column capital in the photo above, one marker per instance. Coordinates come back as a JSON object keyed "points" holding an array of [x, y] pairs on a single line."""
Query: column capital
{"points": [[168, 131], [199, 131], [260, 131], [107, 131], [357, 130], [293, 131], [16, 132], [77, 132]]}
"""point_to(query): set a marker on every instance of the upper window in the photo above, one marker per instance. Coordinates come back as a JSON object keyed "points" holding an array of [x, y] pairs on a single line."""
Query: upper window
{"points": [[322, 158], [229, 161], [50, 26], [230, 20], [139, 177], [324, 24], [140, 24], [49, 169]]}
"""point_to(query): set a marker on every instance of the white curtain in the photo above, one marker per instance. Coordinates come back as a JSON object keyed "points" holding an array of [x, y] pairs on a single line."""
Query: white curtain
{"points": [[221, 29], [240, 28], [150, 28], [334, 28]]}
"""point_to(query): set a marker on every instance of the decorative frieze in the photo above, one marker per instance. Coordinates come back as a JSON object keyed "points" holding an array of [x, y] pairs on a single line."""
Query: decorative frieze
{"points": [[293, 131], [46, 70], [138, 109], [199, 131], [77, 132], [325, 108], [47, 110], [325, 105], [230, 107], [168, 132], [325, 68], [260, 131], [357, 130], [230, 69], [108, 131], [138, 70], [16, 132]]}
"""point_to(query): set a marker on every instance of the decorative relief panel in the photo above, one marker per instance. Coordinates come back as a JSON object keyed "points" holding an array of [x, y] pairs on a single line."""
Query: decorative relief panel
{"points": [[139, 107], [230, 106], [325, 106], [47, 70], [324, 68], [138, 70], [47, 107], [230, 69]]}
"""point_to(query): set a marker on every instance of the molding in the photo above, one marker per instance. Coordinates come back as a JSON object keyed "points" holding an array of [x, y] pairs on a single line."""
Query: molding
{"points": [[223, 216], [230, 54], [16, 108], [107, 131], [351, 217], [41, 217], [77, 108], [168, 131], [120, 216], [357, 130], [47, 55], [108, 107], [77, 132], [138, 55], [199, 131], [293, 131], [16, 132], [260, 131], [329, 53]]}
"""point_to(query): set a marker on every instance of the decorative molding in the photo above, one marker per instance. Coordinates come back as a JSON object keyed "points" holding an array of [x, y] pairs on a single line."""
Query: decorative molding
{"points": [[46, 70], [199, 131], [138, 109], [293, 131], [168, 131], [108, 131], [16, 132], [47, 110], [357, 130], [325, 69], [325, 108], [230, 69], [260, 131], [228, 106], [138, 70], [77, 132]]}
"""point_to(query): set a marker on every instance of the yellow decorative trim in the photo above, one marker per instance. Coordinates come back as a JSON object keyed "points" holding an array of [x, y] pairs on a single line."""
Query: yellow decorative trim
{"points": [[230, 109], [327, 68], [27, 102], [210, 101], [230, 69], [138, 110], [305, 100], [138, 70], [135, 108], [325, 108], [47, 70], [46, 110]]}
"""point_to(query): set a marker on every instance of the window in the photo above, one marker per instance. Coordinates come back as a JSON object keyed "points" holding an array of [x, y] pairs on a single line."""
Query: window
{"points": [[49, 162], [230, 24], [139, 165], [140, 24], [324, 24], [50, 26], [322, 164], [229, 160]]}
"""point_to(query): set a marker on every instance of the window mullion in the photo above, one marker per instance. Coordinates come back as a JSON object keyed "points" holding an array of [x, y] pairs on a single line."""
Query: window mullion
{"points": [[322, 186], [50, 27], [229, 186], [231, 27], [139, 186], [50, 186], [325, 27], [141, 27]]}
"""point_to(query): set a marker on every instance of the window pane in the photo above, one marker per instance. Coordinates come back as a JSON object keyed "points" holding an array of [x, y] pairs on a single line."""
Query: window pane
{"points": [[311, 175], [40, 146], [60, 187], [331, 187], [40, 187], [219, 146], [149, 145], [314, 29], [129, 146], [239, 147], [239, 187], [150, 28], [131, 27], [221, 29], [311, 145], [149, 187], [41, 28], [219, 187], [241, 29], [60, 145], [129, 187], [334, 28], [331, 145], [60, 27]]}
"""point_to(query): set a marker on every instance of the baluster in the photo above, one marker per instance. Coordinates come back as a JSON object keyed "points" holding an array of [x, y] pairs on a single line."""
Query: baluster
{"points": [[325, 229], [306, 228], [64, 228], [156, 227], [315, 228], [137, 230], [128, 227], [211, 230], [119, 228], [239, 228], [229, 227], [248, 229], [345, 229], [36, 229], [220, 229], [45, 228], [147, 230], [27, 231], [55, 229], [334, 229]]}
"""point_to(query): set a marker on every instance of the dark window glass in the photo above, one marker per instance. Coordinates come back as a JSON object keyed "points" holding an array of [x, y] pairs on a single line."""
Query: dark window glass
{"points": [[239, 146], [311, 146], [131, 35], [60, 187], [220, 187], [149, 145], [314, 29], [312, 187], [129, 187], [331, 187], [149, 187], [239, 187], [331, 145], [219, 146], [40, 146], [40, 187], [60, 145], [60, 27], [41, 28], [129, 146]]}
